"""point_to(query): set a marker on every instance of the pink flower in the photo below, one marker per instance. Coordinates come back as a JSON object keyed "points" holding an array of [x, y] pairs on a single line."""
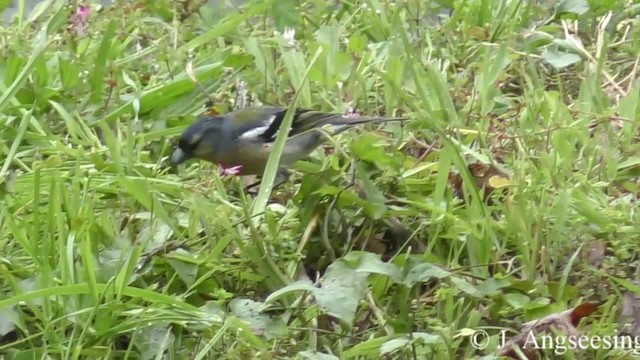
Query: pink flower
{"points": [[82, 13], [351, 113], [80, 20], [233, 170]]}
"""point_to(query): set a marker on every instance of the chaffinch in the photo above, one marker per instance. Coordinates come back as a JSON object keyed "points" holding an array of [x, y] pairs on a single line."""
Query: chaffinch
{"points": [[245, 137]]}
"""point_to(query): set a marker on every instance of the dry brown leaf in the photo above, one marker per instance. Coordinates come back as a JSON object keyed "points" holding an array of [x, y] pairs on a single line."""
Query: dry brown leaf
{"points": [[211, 109], [374, 244], [486, 176]]}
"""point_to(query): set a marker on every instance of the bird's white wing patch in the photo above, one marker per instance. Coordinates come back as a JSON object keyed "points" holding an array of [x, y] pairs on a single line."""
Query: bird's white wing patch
{"points": [[270, 120], [257, 131], [254, 133]]}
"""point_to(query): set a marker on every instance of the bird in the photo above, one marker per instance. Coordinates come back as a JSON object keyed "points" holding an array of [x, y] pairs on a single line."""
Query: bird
{"points": [[245, 138]]}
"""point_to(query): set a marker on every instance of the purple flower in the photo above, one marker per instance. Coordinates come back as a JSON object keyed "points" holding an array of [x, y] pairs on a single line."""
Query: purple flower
{"points": [[231, 171], [82, 12], [80, 21]]}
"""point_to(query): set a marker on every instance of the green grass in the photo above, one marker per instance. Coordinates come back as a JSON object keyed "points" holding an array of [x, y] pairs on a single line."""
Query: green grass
{"points": [[106, 252]]}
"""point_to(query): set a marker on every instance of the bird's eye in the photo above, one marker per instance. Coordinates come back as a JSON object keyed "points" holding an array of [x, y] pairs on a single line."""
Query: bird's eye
{"points": [[188, 143], [195, 139], [192, 138]]}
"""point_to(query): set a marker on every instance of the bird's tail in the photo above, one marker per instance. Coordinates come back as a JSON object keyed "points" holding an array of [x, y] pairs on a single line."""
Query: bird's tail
{"points": [[315, 120], [372, 120], [345, 123]]}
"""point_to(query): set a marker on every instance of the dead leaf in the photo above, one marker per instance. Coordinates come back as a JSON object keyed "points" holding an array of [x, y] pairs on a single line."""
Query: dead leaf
{"points": [[581, 311], [211, 109], [486, 177], [479, 33], [375, 244]]}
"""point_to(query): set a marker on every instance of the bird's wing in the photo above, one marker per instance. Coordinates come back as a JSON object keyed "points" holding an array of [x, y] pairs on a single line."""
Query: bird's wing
{"points": [[252, 122], [266, 122], [303, 121], [263, 123]]}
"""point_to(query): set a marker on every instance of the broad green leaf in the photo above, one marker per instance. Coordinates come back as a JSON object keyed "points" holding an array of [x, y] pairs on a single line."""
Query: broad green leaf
{"points": [[154, 340], [465, 286], [301, 285], [251, 312], [517, 300], [339, 293], [559, 59], [416, 337], [186, 271], [578, 7], [341, 289], [369, 348], [417, 270], [371, 263]]}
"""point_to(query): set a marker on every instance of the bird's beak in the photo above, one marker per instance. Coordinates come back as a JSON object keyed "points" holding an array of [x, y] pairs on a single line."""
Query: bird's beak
{"points": [[179, 156]]}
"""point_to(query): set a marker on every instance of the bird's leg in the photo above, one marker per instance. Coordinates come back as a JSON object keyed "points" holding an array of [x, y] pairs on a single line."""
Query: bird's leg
{"points": [[281, 177], [251, 186]]}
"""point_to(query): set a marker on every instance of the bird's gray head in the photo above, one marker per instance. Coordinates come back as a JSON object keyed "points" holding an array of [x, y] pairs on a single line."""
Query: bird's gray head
{"points": [[200, 140]]}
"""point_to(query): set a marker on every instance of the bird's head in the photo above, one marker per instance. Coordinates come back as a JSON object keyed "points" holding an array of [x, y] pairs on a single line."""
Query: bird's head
{"points": [[200, 140]]}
